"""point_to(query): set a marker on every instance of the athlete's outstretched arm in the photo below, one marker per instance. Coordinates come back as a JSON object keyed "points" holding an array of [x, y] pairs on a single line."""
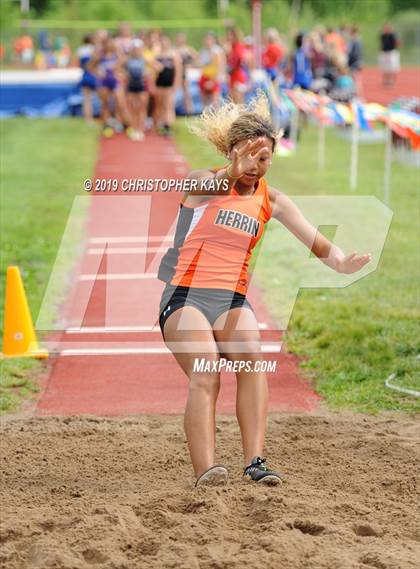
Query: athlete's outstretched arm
{"points": [[287, 212]]}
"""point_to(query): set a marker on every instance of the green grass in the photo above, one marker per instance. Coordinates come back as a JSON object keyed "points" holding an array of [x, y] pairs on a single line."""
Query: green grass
{"points": [[350, 339], [43, 164]]}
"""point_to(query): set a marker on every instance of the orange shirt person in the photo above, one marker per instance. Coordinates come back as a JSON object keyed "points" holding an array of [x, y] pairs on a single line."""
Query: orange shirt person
{"points": [[204, 313]]}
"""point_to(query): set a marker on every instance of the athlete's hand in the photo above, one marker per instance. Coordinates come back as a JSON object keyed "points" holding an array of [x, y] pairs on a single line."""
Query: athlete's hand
{"points": [[353, 262], [245, 156]]}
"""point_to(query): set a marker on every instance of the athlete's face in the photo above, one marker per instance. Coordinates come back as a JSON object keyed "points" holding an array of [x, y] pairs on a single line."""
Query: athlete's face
{"points": [[257, 162]]}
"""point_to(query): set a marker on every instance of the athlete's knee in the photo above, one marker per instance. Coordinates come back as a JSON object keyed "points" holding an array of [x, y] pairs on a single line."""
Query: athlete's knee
{"points": [[207, 382], [242, 347]]}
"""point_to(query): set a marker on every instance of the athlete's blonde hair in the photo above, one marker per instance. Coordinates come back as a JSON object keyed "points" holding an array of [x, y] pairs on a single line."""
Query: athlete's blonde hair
{"points": [[230, 123]]}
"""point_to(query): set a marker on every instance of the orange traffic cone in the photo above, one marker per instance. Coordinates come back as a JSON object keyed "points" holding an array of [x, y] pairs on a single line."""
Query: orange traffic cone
{"points": [[19, 339]]}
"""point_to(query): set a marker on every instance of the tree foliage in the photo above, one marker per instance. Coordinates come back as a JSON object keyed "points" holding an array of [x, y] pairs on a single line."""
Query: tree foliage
{"points": [[169, 9]]}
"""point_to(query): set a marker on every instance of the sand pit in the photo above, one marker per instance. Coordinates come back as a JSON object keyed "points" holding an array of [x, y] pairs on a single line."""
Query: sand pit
{"points": [[81, 493]]}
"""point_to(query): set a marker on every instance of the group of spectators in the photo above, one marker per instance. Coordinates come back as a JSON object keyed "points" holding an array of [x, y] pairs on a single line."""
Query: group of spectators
{"points": [[44, 53], [135, 78], [136, 75], [330, 61]]}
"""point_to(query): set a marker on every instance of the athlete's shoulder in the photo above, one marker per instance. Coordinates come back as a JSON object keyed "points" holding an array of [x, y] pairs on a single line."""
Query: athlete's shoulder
{"points": [[282, 205], [263, 192]]}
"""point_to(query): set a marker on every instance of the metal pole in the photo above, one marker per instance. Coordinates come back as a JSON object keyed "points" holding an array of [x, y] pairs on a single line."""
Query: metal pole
{"points": [[321, 145], [354, 148], [256, 30], [294, 125], [321, 137], [295, 8], [222, 7], [24, 5], [388, 159]]}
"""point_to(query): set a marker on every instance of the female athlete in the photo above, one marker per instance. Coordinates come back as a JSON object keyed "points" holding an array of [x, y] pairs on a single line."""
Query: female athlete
{"points": [[204, 312]]}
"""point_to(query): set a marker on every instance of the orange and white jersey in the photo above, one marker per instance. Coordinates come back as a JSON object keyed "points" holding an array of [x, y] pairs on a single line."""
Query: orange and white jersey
{"points": [[214, 241]]}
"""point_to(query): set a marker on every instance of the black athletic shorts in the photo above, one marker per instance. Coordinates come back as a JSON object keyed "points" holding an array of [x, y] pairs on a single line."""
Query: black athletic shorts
{"points": [[166, 77], [136, 86], [212, 302]]}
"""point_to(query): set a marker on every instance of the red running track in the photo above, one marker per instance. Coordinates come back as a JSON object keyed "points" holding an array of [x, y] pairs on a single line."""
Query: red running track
{"points": [[407, 84], [118, 289]]}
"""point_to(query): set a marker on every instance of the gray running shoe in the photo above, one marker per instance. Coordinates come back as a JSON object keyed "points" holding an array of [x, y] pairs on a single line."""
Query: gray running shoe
{"points": [[259, 472]]}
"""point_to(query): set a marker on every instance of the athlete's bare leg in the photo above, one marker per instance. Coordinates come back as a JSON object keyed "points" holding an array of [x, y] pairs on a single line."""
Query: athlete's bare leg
{"points": [[200, 412], [104, 95], [143, 100], [188, 104], [134, 109], [239, 339], [158, 108], [121, 104], [169, 106], [137, 104], [87, 104]]}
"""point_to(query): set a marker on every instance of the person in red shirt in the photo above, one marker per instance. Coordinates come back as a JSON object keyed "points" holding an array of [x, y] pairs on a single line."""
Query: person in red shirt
{"points": [[249, 52], [273, 53], [237, 62], [335, 39]]}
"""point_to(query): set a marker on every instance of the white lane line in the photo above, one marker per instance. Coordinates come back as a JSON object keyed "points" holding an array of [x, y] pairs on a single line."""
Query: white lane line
{"points": [[124, 329], [131, 239], [118, 277], [110, 329], [113, 351], [271, 348], [125, 250], [265, 348]]}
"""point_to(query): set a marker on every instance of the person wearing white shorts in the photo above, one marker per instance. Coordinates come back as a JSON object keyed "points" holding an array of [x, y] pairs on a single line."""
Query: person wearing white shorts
{"points": [[389, 56]]}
